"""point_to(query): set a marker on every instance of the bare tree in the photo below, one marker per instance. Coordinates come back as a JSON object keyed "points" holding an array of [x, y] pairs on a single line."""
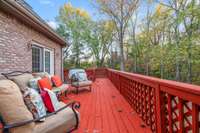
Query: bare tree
{"points": [[135, 50], [120, 11]]}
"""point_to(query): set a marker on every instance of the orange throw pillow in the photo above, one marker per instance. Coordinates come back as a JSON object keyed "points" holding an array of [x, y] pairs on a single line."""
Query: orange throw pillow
{"points": [[56, 81], [45, 83]]}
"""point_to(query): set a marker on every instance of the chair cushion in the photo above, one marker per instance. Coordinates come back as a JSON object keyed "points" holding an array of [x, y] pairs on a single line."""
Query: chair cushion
{"points": [[78, 75], [82, 84], [33, 83], [62, 88], [44, 83], [62, 122], [34, 103], [82, 76], [43, 75], [73, 71], [13, 108], [22, 80], [74, 77], [50, 100], [56, 81]]}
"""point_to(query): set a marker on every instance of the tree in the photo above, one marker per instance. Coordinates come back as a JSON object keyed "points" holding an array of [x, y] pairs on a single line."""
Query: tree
{"points": [[99, 39], [134, 49], [190, 21], [72, 25], [164, 43], [161, 21], [177, 6], [120, 12]]}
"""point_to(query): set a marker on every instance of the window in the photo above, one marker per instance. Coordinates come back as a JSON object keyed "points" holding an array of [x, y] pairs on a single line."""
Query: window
{"points": [[42, 60], [47, 61], [37, 59]]}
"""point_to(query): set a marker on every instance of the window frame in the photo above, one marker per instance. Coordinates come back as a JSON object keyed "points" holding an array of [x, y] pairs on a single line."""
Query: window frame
{"points": [[41, 58], [44, 49]]}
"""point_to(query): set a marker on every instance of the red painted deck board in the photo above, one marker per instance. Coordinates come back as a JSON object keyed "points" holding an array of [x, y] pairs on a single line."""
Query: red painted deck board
{"points": [[104, 110]]}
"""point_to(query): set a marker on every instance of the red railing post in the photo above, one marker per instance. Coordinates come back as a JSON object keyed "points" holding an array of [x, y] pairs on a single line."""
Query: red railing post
{"points": [[169, 103], [195, 118], [181, 117], [158, 109]]}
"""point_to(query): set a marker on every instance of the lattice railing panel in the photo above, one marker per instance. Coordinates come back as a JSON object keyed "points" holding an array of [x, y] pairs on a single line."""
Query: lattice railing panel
{"points": [[141, 98], [179, 114]]}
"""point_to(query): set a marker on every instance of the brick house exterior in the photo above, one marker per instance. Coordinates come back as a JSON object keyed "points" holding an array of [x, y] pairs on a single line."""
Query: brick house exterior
{"points": [[16, 39]]}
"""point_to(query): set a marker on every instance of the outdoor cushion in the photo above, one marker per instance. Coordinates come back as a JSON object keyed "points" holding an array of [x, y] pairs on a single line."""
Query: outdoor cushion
{"points": [[13, 108], [33, 83], [74, 77], [63, 87], [56, 81], [44, 83], [83, 83], [62, 122], [73, 71], [50, 100], [22, 80], [82, 76], [43, 75], [34, 103]]}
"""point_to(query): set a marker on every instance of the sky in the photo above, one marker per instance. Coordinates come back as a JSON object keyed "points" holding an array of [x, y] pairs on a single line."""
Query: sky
{"points": [[48, 9]]}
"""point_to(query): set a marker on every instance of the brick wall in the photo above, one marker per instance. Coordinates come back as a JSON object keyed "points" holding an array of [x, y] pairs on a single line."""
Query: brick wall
{"points": [[14, 51]]}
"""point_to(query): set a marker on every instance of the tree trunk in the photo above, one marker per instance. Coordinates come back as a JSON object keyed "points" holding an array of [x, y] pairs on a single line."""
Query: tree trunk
{"points": [[189, 75], [147, 67], [147, 60], [161, 69], [133, 24], [111, 60], [177, 77], [162, 56], [121, 40], [177, 63], [135, 64]]}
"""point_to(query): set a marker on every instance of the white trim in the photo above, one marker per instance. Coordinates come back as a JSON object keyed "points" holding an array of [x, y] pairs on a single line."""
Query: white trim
{"points": [[52, 62]]}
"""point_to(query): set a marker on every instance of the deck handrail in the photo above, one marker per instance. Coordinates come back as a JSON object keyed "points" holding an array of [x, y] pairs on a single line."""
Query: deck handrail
{"points": [[184, 87]]}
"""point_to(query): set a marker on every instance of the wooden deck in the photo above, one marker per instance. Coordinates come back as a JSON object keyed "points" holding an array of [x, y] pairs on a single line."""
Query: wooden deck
{"points": [[104, 110]]}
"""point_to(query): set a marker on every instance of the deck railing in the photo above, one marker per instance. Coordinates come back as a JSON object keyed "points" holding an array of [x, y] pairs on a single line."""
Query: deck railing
{"points": [[165, 106]]}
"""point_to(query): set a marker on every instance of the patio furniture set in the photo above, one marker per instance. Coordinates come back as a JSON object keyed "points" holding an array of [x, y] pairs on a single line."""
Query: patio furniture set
{"points": [[31, 102]]}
